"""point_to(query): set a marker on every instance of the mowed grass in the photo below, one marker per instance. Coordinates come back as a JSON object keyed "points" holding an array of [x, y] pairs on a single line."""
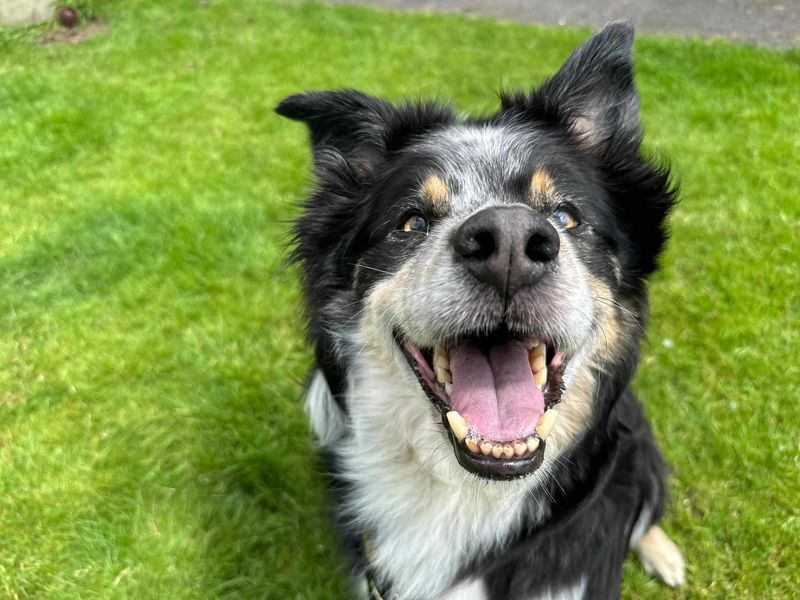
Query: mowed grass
{"points": [[151, 339]]}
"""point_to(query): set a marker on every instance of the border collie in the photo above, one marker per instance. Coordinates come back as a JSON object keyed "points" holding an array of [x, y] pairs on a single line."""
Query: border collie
{"points": [[476, 292]]}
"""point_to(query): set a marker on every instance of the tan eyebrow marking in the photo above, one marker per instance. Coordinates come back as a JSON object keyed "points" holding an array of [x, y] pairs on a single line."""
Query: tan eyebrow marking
{"points": [[435, 190], [541, 185]]}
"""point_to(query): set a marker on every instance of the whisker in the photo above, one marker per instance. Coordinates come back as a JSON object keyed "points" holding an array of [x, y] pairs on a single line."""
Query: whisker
{"points": [[363, 266]]}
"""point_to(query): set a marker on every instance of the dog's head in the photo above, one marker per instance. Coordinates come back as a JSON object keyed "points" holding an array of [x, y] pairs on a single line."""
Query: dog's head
{"points": [[481, 280]]}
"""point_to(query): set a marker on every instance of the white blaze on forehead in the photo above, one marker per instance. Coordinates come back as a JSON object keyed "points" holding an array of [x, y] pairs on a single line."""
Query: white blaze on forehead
{"points": [[478, 159]]}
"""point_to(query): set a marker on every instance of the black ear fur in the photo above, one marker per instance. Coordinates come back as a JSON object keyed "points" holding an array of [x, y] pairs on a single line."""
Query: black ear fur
{"points": [[343, 124], [593, 94], [349, 126]]}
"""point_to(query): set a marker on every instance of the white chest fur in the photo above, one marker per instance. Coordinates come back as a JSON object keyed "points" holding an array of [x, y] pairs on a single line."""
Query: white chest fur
{"points": [[427, 518]]}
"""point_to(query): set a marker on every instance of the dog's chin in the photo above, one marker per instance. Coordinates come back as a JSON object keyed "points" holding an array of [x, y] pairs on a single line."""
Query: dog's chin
{"points": [[497, 396]]}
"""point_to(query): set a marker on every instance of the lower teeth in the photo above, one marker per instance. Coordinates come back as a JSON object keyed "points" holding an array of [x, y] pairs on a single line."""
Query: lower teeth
{"points": [[516, 448]]}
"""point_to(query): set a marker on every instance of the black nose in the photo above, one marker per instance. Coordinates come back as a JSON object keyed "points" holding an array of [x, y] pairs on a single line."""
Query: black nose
{"points": [[507, 247]]}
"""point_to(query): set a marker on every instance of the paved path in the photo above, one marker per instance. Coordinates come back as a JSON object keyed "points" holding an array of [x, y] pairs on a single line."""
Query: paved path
{"points": [[766, 22], [25, 12]]}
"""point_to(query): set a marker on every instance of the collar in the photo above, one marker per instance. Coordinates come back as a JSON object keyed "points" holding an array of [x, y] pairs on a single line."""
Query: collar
{"points": [[372, 588], [372, 583]]}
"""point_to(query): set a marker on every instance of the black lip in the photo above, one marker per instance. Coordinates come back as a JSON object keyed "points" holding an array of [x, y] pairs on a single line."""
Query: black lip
{"points": [[487, 467]]}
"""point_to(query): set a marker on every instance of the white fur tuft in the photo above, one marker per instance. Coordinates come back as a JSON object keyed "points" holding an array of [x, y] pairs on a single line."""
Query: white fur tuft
{"points": [[323, 413], [575, 592]]}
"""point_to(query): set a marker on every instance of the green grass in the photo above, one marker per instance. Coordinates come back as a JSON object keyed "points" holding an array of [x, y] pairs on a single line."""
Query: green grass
{"points": [[151, 348]]}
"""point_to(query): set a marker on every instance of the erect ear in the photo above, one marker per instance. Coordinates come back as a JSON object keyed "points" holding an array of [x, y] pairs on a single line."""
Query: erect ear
{"points": [[593, 94], [357, 129]]}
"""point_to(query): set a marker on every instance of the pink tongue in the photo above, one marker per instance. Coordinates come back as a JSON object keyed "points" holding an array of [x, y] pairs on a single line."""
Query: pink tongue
{"points": [[495, 393]]}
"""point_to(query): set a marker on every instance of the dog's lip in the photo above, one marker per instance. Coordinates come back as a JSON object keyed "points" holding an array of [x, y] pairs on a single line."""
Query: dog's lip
{"points": [[488, 466], [491, 467]]}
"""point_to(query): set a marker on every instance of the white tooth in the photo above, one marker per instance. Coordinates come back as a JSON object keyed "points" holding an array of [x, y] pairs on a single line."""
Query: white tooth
{"points": [[497, 450], [472, 444], [538, 364], [448, 387], [540, 378], [530, 343], [508, 450], [520, 447], [458, 425], [533, 444], [441, 358], [443, 375], [486, 448], [546, 423]]}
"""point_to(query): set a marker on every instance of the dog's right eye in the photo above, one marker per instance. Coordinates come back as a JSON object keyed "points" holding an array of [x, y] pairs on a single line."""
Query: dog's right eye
{"points": [[564, 218], [415, 223]]}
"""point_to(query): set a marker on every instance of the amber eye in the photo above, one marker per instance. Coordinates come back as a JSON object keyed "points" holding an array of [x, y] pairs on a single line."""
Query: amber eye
{"points": [[563, 218], [415, 223]]}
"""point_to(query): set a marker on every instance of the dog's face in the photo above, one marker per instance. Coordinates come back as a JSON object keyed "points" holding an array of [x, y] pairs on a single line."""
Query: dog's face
{"points": [[488, 273]]}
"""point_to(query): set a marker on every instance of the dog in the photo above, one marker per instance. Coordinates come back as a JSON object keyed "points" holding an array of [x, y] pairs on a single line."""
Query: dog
{"points": [[476, 291]]}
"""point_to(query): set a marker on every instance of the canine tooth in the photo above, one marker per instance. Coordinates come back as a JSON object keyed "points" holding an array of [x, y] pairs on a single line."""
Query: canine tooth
{"points": [[540, 378], [441, 358], [472, 444], [443, 375], [497, 450], [486, 448], [537, 357], [520, 447], [546, 423], [508, 450], [533, 444], [458, 425], [448, 387]]}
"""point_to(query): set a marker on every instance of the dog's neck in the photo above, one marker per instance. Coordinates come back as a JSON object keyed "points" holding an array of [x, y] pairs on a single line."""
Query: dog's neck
{"points": [[422, 512], [422, 532], [424, 515]]}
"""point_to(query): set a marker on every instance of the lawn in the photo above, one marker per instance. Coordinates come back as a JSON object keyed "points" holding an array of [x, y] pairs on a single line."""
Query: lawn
{"points": [[151, 341]]}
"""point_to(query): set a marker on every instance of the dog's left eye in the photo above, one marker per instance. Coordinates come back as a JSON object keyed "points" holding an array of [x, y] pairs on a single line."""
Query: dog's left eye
{"points": [[563, 218], [415, 223]]}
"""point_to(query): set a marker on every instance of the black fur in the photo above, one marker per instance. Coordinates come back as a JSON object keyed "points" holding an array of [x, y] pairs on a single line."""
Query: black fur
{"points": [[585, 125]]}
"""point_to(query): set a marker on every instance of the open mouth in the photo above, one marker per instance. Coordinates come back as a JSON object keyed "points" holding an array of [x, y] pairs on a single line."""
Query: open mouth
{"points": [[496, 394]]}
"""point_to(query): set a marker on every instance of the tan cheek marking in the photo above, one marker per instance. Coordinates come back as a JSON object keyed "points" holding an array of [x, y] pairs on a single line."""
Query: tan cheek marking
{"points": [[435, 191], [610, 332], [380, 313], [574, 410], [541, 185]]}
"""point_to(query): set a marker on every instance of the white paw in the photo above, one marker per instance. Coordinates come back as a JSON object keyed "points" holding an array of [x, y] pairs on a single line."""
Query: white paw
{"points": [[660, 557]]}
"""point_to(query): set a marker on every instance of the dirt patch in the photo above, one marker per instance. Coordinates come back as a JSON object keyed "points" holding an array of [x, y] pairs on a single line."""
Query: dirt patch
{"points": [[76, 35]]}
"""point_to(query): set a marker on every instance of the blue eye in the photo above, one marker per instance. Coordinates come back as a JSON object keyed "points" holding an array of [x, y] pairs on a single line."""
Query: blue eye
{"points": [[416, 223], [564, 219]]}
